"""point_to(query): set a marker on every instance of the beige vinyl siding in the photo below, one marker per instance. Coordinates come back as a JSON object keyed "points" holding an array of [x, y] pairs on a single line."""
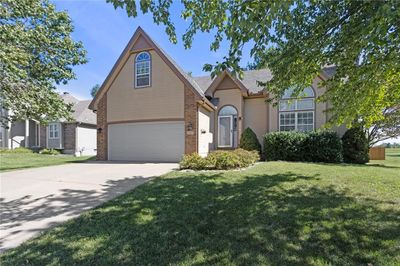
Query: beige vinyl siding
{"points": [[205, 134], [163, 99], [320, 114], [340, 130], [273, 118], [227, 83], [255, 116]]}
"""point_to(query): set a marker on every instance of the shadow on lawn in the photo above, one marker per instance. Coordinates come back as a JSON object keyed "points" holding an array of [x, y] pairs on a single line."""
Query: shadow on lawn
{"points": [[197, 219], [379, 165]]}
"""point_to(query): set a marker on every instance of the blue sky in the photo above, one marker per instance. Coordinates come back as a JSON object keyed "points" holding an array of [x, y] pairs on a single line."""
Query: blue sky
{"points": [[105, 32]]}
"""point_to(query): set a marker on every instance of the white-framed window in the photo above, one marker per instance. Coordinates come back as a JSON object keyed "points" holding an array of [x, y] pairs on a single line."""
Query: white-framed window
{"points": [[297, 113], [54, 131], [299, 121], [142, 70]]}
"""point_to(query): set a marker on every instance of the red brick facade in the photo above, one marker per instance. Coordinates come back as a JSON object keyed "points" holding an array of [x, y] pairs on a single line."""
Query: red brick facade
{"points": [[102, 129], [43, 136], [190, 110]]}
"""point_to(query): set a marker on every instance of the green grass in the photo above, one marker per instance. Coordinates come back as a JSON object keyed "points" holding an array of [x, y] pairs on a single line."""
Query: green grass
{"points": [[392, 158], [275, 213], [14, 161]]}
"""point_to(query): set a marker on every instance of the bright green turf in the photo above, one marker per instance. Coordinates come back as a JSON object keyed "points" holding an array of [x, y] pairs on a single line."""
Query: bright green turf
{"points": [[13, 161]]}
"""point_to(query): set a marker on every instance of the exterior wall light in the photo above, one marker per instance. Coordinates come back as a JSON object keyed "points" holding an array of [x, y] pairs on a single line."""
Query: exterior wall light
{"points": [[190, 126]]}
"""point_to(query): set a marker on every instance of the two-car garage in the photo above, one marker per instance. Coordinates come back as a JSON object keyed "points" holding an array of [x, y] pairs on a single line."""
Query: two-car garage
{"points": [[146, 141]]}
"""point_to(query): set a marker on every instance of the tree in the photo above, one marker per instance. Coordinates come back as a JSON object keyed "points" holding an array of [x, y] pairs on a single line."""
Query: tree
{"points": [[94, 90], [36, 52], [295, 39], [355, 146], [249, 141], [386, 128]]}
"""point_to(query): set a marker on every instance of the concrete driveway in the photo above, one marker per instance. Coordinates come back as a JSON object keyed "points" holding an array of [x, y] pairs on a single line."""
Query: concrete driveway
{"points": [[33, 200]]}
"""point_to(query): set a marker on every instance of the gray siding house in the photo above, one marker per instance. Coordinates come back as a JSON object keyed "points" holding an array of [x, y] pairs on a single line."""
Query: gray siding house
{"points": [[76, 137]]}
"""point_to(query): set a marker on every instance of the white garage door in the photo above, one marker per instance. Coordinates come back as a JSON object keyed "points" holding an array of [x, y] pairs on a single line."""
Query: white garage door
{"points": [[159, 141]]}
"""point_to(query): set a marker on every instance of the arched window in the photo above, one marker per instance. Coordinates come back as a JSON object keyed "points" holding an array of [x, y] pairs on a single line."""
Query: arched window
{"points": [[142, 70], [228, 110], [227, 127], [297, 113]]}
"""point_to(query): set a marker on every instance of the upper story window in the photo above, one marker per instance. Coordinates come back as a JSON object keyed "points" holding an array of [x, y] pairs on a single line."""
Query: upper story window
{"points": [[142, 70], [297, 113], [54, 131]]}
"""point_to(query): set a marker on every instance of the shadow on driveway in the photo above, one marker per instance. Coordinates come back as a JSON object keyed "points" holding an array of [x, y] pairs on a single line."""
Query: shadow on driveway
{"points": [[28, 206]]}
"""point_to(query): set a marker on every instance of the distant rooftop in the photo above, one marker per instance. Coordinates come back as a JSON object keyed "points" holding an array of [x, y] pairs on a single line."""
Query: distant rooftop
{"points": [[81, 113]]}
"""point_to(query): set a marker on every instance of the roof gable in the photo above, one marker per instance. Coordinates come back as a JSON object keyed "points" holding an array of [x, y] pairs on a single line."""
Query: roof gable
{"points": [[249, 81], [141, 41], [226, 80], [141, 44]]}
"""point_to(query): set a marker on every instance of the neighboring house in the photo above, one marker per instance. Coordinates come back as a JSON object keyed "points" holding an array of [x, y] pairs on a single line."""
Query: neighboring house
{"points": [[149, 109], [77, 137]]}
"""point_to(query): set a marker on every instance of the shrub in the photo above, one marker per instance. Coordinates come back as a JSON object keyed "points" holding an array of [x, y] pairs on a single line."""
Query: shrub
{"points": [[249, 141], [247, 158], [320, 146], [323, 146], [285, 146], [17, 150], [49, 152], [193, 161], [355, 146], [221, 160]]}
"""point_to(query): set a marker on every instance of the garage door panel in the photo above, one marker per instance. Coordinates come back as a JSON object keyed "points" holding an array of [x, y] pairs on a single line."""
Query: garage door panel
{"points": [[162, 141]]}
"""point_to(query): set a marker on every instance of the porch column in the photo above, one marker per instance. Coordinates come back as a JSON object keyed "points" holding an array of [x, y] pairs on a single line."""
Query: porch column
{"points": [[26, 133]]}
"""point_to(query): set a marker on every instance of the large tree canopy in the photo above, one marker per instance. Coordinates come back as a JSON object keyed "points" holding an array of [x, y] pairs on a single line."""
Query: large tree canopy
{"points": [[36, 52], [295, 39], [386, 128]]}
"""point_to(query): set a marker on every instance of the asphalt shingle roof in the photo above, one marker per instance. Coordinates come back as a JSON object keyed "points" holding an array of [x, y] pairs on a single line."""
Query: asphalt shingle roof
{"points": [[250, 78], [81, 113]]}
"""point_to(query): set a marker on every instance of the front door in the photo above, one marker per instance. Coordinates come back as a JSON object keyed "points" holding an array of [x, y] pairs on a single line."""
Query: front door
{"points": [[225, 131]]}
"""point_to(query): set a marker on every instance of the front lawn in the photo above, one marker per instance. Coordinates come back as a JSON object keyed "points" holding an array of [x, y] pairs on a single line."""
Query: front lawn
{"points": [[392, 158], [13, 161], [275, 213]]}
